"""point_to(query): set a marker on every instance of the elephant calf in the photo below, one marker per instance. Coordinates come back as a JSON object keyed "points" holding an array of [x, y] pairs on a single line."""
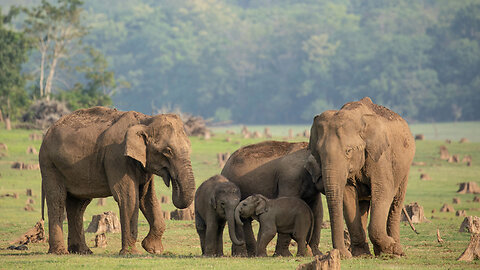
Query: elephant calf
{"points": [[285, 215], [215, 202]]}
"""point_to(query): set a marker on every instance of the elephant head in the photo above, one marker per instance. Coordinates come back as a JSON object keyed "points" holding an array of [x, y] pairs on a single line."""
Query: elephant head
{"points": [[224, 200], [341, 141], [161, 146], [252, 206]]}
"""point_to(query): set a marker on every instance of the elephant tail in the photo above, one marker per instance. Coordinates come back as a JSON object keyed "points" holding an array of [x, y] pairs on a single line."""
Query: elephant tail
{"points": [[43, 202]]}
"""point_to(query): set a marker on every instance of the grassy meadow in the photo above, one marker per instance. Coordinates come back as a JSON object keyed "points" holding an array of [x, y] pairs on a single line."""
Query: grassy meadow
{"points": [[181, 242]]}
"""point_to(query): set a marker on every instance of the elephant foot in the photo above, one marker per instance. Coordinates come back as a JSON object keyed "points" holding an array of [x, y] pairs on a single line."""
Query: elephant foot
{"points": [[79, 249], [261, 254], [282, 253], [129, 251], [316, 251], [239, 251], [360, 250], [152, 246], [345, 253], [392, 249], [58, 251]]}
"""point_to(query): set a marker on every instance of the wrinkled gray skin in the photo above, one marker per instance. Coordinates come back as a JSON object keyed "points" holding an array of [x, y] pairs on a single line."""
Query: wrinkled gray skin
{"points": [[276, 169], [285, 215], [364, 146], [101, 152], [215, 202]]}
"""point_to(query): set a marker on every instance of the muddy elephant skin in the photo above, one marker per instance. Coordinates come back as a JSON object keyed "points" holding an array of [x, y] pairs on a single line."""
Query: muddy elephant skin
{"points": [[275, 169], [215, 203], [364, 146], [101, 152], [285, 215]]}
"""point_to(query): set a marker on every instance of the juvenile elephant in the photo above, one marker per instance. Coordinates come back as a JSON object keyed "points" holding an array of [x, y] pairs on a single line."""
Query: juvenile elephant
{"points": [[215, 202], [275, 169], [364, 146], [285, 215], [101, 152]]}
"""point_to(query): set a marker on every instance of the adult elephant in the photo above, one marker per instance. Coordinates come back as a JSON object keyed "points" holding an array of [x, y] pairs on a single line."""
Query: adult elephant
{"points": [[275, 169], [364, 146], [101, 152]]}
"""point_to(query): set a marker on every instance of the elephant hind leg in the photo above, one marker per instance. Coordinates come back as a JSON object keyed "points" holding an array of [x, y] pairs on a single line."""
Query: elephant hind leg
{"points": [[76, 236], [56, 194]]}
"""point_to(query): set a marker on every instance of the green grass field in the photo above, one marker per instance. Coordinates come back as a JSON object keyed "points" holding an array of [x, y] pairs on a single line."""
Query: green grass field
{"points": [[181, 242]]}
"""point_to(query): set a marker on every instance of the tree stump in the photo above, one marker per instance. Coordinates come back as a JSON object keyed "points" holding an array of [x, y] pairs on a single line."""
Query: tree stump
{"points": [[476, 199], [35, 137], [472, 252], [290, 133], [448, 141], [228, 139], [23, 166], [257, 135], [454, 159], [3, 147], [32, 150], [244, 130], [222, 159], [164, 199], [461, 213], [166, 215], [13, 195], [439, 238], [444, 155], [469, 187], [106, 222], [183, 214], [464, 140], [425, 177], [330, 261], [29, 192], [30, 201], [207, 135], [306, 133], [34, 235], [101, 240], [447, 208], [102, 201], [267, 133], [415, 212], [419, 137], [470, 224], [456, 200], [467, 159], [28, 208]]}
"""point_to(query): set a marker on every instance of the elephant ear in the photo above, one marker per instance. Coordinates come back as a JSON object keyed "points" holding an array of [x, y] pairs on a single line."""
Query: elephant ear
{"points": [[375, 136], [135, 143], [213, 202], [313, 168], [261, 205]]}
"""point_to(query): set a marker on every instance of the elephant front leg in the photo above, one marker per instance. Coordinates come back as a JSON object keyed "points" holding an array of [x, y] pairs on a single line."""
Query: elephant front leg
{"points": [[150, 208], [353, 219], [126, 195], [317, 209], [265, 235], [211, 239], [76, 236]]}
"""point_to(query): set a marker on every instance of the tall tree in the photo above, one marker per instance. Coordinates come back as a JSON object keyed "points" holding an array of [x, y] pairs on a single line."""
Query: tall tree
{"points": [[57, 31], [13, 53]]}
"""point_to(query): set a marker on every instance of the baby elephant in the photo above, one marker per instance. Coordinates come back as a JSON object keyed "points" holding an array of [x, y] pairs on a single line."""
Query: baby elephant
{"points": [[285, 215], [215, 202]]}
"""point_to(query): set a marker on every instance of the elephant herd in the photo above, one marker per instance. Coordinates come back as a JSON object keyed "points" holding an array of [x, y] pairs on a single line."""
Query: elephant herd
{"points": [[359, 157]]}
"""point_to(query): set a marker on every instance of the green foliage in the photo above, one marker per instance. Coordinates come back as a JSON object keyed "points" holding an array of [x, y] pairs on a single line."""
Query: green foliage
{"points": [[13, 54]]}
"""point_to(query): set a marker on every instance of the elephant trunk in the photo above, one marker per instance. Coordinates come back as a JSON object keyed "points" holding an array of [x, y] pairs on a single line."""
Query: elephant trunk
{"points": [[334, 184], [183, 185], [231, 227], [237, 216]]}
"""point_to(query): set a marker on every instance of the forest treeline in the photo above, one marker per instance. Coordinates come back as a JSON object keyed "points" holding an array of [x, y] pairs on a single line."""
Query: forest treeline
{"points": [[284, 61]]}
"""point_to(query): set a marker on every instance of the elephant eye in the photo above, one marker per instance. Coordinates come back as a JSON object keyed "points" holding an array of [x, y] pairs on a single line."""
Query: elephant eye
{"points": [[349, 152], [168, 152]]}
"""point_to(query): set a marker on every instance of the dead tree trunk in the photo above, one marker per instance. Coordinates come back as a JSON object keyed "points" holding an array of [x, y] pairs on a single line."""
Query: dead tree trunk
{"points": [[473, 250]]}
